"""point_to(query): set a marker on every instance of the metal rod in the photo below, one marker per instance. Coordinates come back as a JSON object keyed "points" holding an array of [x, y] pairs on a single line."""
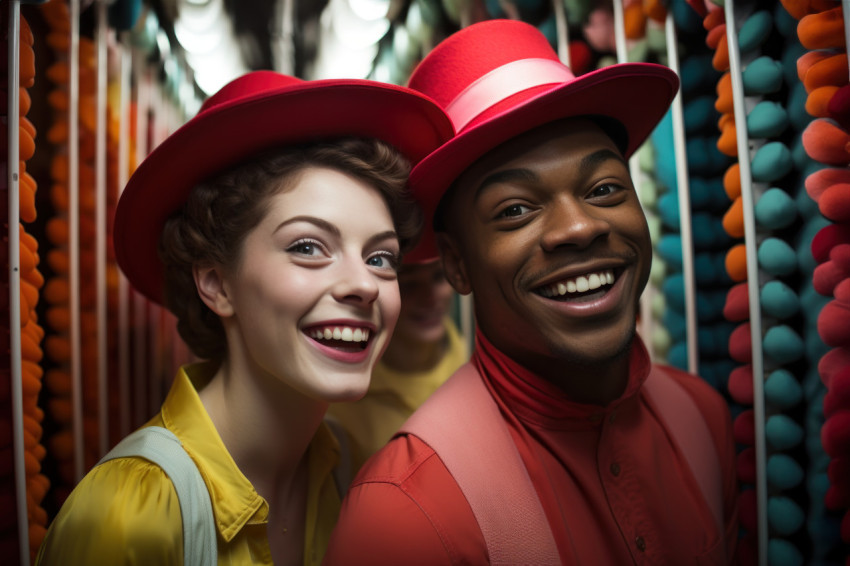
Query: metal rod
{"points": [[562, 27], [16, 371], [74, 237], [100, 228], [685, 229], [123, 287], [747, 198]]}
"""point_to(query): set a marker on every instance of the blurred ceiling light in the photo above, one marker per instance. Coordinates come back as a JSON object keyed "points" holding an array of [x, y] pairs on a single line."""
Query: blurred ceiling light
{"points": [[370, 9], [206, 34], [338, 19]]}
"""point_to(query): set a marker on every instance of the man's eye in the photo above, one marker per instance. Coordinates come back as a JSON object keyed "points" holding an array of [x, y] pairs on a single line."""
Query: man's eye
{"points": [[513, 210], [603, 190]]}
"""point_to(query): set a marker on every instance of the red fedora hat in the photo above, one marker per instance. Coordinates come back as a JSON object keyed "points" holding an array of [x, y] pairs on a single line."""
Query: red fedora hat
{"points": [[258, 111], [498, 79]]}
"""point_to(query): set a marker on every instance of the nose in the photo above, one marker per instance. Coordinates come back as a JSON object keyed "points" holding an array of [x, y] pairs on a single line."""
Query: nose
{"points": [[573, 223], [356, 284]]}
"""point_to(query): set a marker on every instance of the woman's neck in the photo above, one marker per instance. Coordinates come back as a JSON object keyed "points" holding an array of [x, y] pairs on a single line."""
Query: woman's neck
{"points": [[265, 425]]}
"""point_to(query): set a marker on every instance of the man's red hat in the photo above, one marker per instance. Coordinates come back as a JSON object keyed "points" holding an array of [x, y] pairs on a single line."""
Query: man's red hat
{"points": [[258, 111], [498, 79]]}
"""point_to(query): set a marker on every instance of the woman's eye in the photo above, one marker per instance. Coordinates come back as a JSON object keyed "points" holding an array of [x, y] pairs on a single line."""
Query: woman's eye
{"points": [[305, 247], [383, 260], [513, 210]]}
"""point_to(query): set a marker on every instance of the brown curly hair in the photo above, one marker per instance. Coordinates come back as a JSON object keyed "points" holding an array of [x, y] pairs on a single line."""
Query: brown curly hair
{"points": [[211, 226]]}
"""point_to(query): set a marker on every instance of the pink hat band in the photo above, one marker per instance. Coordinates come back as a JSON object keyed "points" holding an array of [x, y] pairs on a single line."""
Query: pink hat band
{"points": [[503, 82]]}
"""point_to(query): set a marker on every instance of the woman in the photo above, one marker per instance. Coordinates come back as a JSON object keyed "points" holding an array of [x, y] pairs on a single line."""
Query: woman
{"points": [[271, 224]]}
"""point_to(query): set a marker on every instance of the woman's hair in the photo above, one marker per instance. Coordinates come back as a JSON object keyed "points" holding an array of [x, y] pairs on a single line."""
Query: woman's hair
{"points": [[219, 213]]}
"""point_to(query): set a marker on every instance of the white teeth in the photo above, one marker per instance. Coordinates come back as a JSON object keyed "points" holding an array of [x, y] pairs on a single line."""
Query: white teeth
{"points": [[580, 284], [344, 333]]}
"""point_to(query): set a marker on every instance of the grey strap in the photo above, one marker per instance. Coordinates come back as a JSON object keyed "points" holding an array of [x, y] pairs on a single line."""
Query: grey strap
{"points": [[160, 446]]}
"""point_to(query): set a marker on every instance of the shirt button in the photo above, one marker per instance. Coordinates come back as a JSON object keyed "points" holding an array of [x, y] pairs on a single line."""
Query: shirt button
{"points": [[612, 417], [640, 543], [615, 469]]}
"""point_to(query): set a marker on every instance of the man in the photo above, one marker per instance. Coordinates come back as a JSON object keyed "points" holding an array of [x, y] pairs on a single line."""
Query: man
{"points": [[425, 349], [559, 443]]}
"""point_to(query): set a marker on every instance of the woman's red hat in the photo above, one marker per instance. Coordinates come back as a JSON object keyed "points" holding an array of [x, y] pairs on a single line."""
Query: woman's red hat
{"points": [[498, 79], [258, 111]]}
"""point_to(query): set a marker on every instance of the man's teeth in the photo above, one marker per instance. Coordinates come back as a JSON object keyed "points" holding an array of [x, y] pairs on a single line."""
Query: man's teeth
{"points": [[580, 284], [344, 333]]}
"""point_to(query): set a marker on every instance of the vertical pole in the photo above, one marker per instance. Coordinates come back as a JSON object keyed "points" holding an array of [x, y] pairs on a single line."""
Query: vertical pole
{"points": [[74, 237], [100, 228], [751, 243], [16, 372], [684, 202]]}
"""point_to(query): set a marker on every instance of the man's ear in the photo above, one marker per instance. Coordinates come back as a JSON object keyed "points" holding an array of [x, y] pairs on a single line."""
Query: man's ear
{"points": [[212, 290], [453, 265]]}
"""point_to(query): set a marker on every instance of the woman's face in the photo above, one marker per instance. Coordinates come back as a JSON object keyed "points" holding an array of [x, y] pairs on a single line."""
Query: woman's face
{"points": [[315, 295]]}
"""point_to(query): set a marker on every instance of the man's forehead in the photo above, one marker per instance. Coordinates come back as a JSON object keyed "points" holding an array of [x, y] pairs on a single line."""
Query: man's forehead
{"points": [[513, 153]]}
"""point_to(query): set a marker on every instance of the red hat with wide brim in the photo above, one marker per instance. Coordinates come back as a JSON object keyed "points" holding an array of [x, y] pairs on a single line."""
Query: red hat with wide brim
{"points": [[498, 79], [258, 111]]}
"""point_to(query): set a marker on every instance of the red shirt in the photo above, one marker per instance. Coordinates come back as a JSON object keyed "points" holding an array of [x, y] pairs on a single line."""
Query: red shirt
{"points": [[614, 488]]}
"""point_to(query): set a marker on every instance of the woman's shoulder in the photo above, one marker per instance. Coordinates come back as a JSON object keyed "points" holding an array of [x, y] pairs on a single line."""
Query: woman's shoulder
{"points": [[121, 504]]}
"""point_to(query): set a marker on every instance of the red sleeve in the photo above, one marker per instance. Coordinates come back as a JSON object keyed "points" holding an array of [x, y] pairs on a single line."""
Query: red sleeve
{"points": [[715, 410], [405, 508]]}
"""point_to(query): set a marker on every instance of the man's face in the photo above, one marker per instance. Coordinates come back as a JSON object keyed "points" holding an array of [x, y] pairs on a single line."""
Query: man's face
{"points": [[548, 234]]}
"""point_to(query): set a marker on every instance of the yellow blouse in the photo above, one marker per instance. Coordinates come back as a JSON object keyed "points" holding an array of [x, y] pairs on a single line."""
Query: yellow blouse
{"points": [[126, 511], [392, 398]]}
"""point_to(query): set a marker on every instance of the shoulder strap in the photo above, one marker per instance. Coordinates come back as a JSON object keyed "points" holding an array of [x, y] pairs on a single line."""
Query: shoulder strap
{"points": [[690, 431], [160, 446], [462, 424]]}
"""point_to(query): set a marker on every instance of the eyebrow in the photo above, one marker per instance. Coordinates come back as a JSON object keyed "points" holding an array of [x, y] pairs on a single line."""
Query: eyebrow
{"points": [[329, 227], [506, 176], [588, 162]]}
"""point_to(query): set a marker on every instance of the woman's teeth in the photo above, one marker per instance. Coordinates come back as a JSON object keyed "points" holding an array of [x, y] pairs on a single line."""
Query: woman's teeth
{"points": [[344, 333], [580, 284]]}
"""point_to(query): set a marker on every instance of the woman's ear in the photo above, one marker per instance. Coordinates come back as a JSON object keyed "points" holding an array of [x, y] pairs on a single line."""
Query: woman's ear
{"points": [[212, 290], [453, 265]]}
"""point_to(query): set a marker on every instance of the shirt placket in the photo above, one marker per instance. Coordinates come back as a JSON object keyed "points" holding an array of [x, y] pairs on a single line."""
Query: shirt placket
{"points": [[622, 490]]}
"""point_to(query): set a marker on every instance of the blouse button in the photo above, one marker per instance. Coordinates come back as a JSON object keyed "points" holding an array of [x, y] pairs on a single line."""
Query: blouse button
{"points": [[612, 417], [615, 469], [641, 544]]}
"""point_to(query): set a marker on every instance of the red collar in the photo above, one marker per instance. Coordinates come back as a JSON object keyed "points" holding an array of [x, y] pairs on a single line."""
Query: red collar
{"points": [[535, 399]]}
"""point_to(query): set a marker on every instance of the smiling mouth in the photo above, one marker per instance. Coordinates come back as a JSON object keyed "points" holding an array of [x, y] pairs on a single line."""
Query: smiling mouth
{"points": [[585, 286], [345, 338]]}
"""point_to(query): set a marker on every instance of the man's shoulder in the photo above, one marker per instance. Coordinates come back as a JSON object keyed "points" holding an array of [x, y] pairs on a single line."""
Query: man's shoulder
{"points": [[403, 457], [711, 403], [404, 507]]}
